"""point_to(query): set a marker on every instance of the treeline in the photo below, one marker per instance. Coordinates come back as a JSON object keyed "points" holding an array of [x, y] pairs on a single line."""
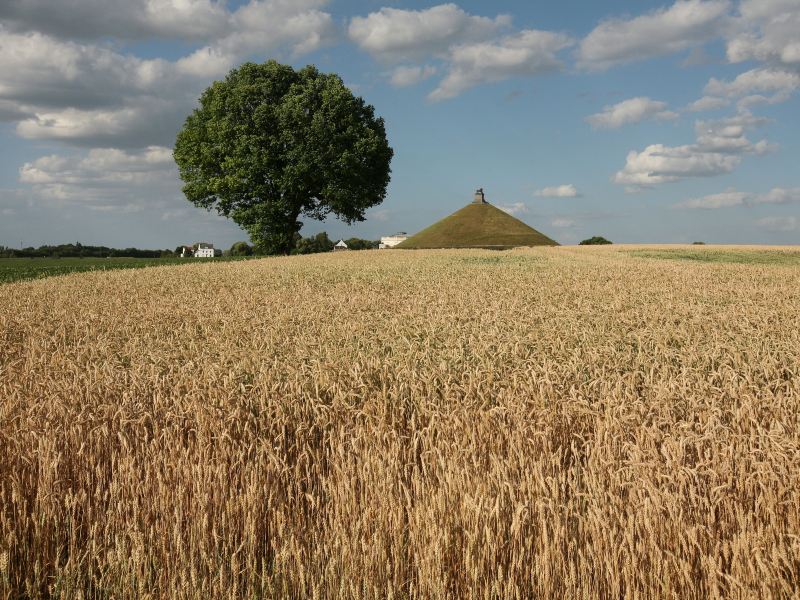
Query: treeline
{"points": [[322, 243], [78, 250], [304, 245], [307, 245]]}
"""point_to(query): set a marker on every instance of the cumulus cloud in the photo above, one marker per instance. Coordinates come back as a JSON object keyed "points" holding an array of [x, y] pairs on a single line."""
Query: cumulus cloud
{"points": [[718, 149], [193, 20], [747, 86], [92, 94], [779, 224], [685, 24], [515, 208], [470, 47], [732, 197], [778, 196], [628, 111], [529, 52], [766, 31], [755, 80], [722, 200], [405, 76], [104, 179], [562, 223], [708, 103], [127, 19], [658, 163], [566, 190], [396, 35]]}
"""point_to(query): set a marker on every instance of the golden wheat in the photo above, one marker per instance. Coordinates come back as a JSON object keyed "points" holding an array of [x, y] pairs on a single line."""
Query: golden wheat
{"points": [[551, 423]]}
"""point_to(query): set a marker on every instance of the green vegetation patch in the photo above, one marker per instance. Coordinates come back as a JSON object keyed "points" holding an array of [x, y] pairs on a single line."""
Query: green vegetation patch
{"points": [[754, 257], [20, 269], [502, 259]]}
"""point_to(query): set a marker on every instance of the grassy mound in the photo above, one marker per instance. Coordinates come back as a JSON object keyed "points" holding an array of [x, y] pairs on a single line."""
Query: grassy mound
{"points": [[478, 226]]}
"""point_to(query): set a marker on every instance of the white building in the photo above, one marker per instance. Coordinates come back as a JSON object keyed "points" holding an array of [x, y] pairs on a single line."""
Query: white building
{"points": [[340, 245], [390, 241], [206, 250]]}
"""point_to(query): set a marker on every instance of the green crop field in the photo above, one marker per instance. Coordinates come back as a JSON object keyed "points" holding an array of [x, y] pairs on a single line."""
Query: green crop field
{"points": [[759, 256], [18, 269]]}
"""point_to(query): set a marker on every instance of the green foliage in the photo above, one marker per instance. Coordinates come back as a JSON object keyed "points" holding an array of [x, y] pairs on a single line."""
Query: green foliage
{"points": [[78, 250], [361, 244], [270, 144], [241, 249], [595, 241], [312, 245]]}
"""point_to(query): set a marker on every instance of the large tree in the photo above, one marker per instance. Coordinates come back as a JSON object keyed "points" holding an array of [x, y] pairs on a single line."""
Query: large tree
{"points": [[270, 144]]}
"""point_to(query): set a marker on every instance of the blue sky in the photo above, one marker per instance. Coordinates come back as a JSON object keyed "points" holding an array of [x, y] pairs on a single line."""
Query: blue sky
{"points": [[644, 122]]}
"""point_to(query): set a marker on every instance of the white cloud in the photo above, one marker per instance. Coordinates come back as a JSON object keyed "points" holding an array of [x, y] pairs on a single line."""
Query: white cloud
{"points": [[718, 149], [194, 20], [628, 111], [767, 31], [722, 200], [708, 103], [755, 80], [566, 190], [732, 197], [88, 94], [382, 215], [465, 43], [778, 196], [406, 76], [728, 135], [779, 224], [126, 19], [395, 35], [105, 179], [659, 164], [685, 24], [562, 223], [516, 208], [529, 52]]}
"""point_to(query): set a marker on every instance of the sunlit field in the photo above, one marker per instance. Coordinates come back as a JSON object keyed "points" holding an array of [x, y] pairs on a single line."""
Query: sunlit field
{"points": [[572, 422]]}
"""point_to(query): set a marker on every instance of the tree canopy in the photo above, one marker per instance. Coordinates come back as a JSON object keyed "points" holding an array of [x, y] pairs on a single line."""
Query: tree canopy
{"points": [[596, 240], [241, 249], [270, 144]]}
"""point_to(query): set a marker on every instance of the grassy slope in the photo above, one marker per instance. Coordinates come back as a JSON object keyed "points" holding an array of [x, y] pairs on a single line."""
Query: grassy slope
{"points": [[478, 225]]}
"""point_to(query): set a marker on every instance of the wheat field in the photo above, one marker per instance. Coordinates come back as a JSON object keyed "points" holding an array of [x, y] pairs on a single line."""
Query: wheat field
{"points": [[545, 423]]}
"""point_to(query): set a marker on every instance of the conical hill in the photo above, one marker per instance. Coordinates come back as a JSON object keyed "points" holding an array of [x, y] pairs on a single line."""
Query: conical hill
{"points": [[478, 225]]}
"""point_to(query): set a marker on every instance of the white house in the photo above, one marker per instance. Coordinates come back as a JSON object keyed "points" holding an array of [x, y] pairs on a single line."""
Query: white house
{"points": [[340, 245], [206, 250], [390, 241]]}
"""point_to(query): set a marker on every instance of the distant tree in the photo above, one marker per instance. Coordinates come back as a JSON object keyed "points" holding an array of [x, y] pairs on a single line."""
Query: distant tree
{"points": [[595, 241], [698, 243], [361, 244], [311, 245], [241, 249], [270, 144]]}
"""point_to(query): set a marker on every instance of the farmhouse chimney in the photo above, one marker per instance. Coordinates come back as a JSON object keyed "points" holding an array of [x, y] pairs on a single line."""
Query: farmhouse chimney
{"points": [[479, 197]]}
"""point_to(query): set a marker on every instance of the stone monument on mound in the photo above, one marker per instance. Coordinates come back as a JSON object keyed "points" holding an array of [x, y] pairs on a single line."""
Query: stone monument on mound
{"points": [[479, 197]]}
